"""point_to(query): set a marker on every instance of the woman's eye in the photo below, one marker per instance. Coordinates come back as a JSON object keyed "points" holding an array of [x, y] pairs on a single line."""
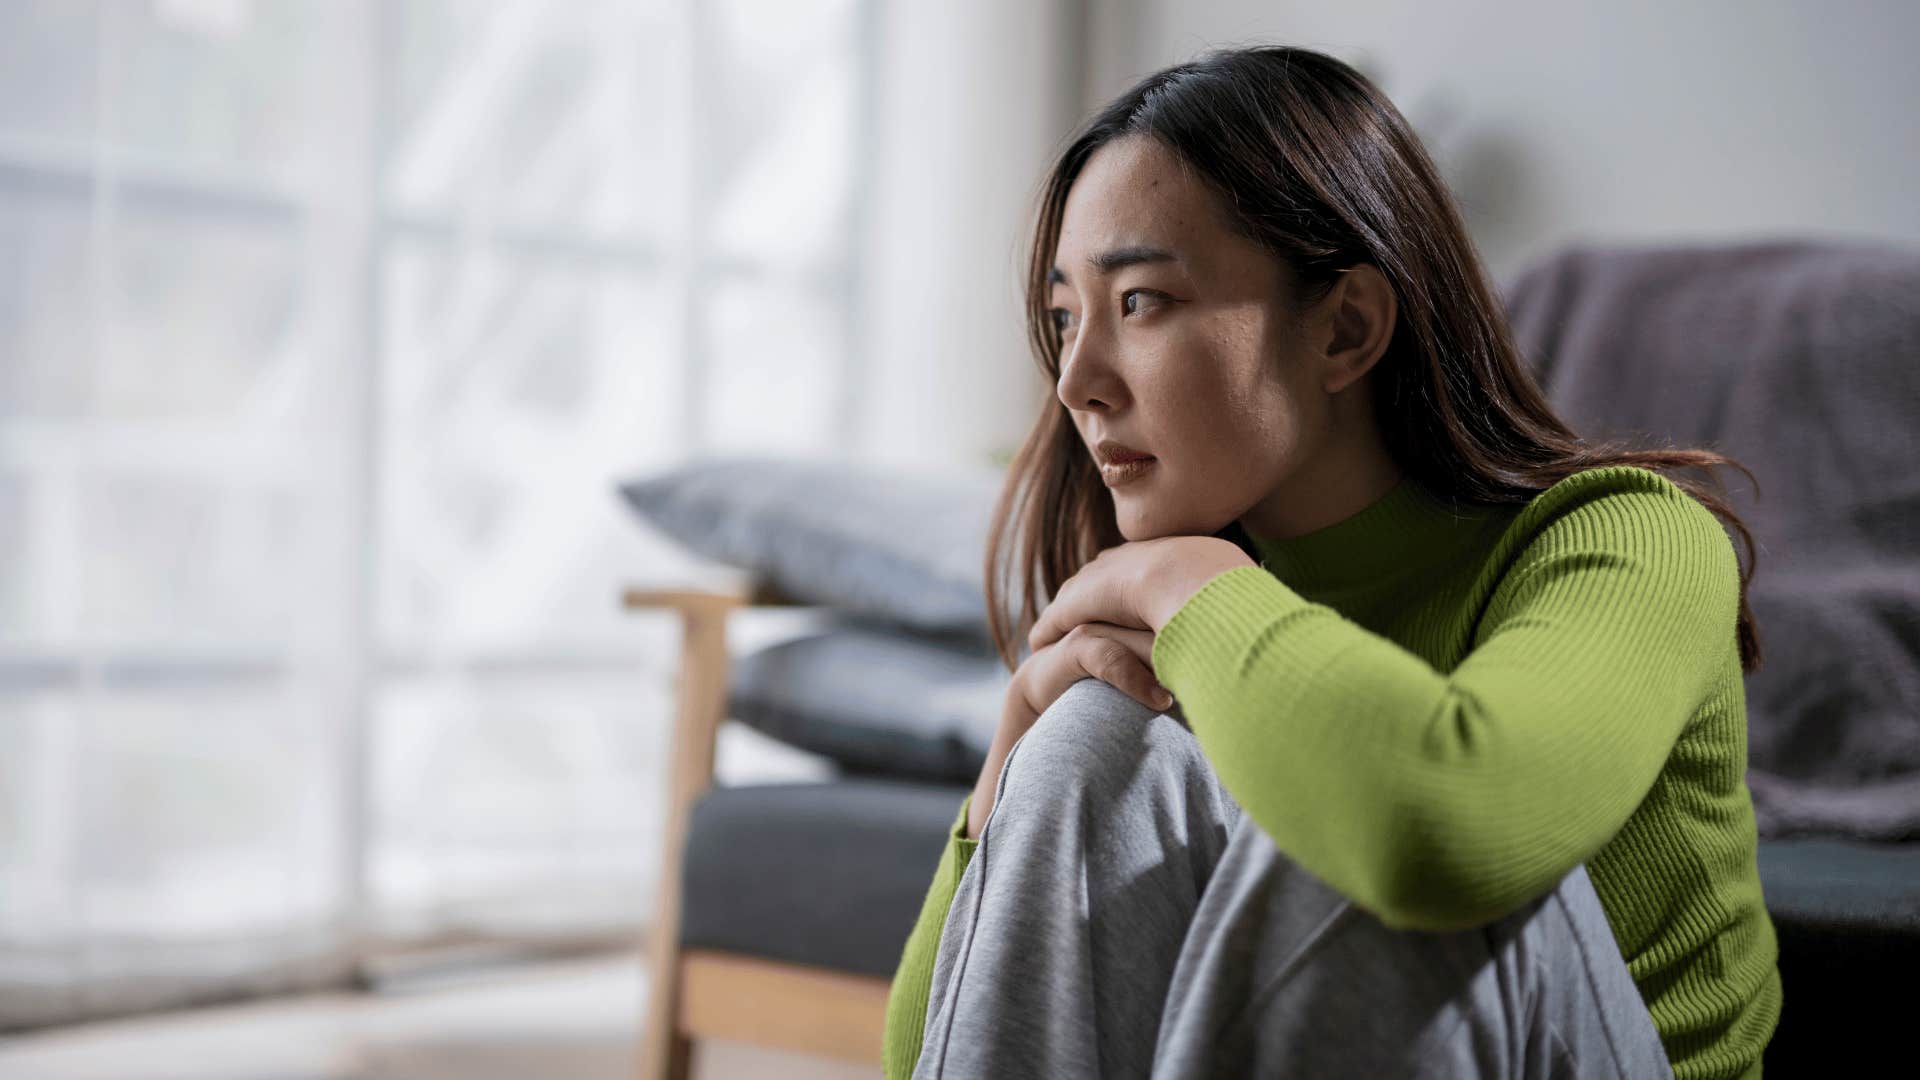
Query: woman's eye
{"points": [[1060, 319], [1127, 299]]}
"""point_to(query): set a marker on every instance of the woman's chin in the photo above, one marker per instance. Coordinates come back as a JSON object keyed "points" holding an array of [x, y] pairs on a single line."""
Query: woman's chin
{"points": [[1140, 522]]}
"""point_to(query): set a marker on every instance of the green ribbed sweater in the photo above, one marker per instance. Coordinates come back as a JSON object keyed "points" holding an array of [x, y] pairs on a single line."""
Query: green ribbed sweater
{"points": [[1441, 710]]}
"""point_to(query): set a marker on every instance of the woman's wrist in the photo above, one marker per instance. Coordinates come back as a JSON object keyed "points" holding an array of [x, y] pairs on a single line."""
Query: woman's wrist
{"points": [[1182, 575], [983, 789], [1014, 721]]}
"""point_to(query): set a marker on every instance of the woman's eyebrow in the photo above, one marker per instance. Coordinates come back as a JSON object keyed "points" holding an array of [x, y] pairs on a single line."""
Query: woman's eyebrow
{"points": [[1107, 262]]}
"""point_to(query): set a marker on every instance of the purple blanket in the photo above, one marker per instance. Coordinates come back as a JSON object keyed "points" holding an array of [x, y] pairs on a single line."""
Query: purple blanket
{"points": [[1802, 360]]}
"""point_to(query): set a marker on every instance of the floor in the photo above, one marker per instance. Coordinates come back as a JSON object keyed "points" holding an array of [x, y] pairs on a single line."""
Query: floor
{"points": [[559, 1019]]}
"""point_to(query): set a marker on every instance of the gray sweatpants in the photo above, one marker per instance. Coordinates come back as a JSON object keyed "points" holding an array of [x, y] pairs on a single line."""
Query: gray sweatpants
{"points": [[1122, 917]]}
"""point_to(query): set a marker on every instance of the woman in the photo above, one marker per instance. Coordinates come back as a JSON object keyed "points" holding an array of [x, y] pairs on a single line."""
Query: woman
{"points": [[1455, 781]]}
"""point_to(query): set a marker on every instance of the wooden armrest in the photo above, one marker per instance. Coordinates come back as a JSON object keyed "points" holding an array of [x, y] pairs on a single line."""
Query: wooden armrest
{"points": [[701, 689], [701, 682], [754, 593]]}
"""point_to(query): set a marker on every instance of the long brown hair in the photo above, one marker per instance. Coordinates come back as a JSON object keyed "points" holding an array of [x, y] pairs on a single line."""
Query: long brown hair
{"points": [[1317, 165]]}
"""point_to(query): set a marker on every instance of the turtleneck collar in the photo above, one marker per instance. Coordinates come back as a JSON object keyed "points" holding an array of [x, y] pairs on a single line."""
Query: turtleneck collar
{"points": [[1408, 529]]}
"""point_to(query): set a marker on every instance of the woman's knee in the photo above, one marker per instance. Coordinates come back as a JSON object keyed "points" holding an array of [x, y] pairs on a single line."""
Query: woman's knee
{"points": [[1102, 738]]}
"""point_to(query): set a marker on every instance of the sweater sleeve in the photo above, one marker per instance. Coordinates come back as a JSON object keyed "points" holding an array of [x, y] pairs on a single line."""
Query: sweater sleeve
{"points": [[913, 979], [1444, 800]]}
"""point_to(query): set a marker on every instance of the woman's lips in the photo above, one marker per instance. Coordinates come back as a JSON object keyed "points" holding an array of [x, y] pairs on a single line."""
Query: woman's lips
{"points": [[1123, 472]]}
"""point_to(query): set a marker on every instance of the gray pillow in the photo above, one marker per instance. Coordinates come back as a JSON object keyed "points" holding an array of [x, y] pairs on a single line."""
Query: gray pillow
{"points": [[876, 698], [885, 544]]}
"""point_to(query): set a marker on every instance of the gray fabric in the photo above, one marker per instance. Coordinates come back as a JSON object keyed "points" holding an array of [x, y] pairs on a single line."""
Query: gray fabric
{"points": [[830, 875], [1802, 360], [1122, 917], [901, 547], [1847, 915], [1833, 883], [877, 699]]}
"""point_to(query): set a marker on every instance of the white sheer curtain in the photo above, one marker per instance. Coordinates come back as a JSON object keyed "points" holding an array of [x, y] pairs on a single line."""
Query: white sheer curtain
{"points": [[325, 329]]}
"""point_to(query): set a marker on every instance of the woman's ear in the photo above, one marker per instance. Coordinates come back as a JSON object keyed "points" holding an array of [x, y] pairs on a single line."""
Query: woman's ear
{"points": [[1363, 309]]}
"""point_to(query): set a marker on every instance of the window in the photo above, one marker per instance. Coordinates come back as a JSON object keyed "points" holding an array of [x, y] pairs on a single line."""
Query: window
{"points": [[327, 329]]}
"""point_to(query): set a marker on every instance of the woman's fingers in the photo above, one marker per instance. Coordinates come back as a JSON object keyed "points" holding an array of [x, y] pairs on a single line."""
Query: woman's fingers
{"points": [[1120, 656]]}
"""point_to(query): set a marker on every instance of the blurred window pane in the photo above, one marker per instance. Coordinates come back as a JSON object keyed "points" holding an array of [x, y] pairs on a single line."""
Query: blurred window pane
{"points": [[783, 102], [477, 775], [317, 396], [203, 311], [19, 606], [507, 115], [49, 67], [46, 319], [518, 391], [204, 815], [175, 562], [36, 847], [215, 82], [776, 350]]}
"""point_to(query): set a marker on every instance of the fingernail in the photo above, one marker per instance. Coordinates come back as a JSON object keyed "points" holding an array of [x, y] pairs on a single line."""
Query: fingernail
{"points": [[1163, 699]]}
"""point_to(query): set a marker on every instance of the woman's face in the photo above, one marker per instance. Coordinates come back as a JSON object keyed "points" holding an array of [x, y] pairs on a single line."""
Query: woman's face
{"points": [[1178, 342]]}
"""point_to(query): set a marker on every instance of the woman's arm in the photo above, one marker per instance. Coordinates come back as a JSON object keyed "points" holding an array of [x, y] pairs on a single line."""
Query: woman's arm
{"points": [[1445, 800]]}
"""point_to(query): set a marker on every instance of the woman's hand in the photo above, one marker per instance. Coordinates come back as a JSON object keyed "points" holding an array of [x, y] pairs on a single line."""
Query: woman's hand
{"points": [[1137, 585], [1101, 623], [1117, 655]]}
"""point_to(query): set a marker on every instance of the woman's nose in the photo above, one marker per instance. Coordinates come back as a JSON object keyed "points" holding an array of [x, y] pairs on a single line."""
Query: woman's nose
{"points": [[1087, 377]]}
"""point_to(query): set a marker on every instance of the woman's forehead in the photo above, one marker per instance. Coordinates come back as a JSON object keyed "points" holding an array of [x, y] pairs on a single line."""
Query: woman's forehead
{"points": [[1132, 178], [1137, 202]]}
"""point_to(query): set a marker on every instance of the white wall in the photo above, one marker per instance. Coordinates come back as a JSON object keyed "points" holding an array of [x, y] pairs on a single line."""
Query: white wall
{"points": [[1552, 122], [974, 99]]}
